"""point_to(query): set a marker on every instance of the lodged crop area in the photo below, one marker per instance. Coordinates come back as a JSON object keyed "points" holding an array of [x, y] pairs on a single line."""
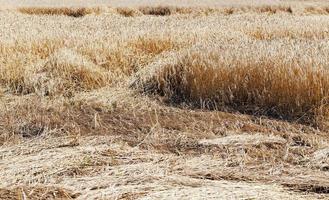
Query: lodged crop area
{"points": [[146, 100]]}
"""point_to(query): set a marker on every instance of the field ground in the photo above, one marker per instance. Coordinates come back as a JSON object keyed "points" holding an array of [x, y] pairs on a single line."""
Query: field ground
{"points": [[164, 99]]}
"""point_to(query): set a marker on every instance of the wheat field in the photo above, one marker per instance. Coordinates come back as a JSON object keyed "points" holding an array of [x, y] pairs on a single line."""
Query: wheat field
{"points": [[208, 99]]}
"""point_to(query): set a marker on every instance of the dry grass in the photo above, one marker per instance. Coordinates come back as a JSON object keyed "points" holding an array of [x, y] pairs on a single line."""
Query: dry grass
{"points": [[155, 99], [158, 11], [71, 12], [175, 10]]}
